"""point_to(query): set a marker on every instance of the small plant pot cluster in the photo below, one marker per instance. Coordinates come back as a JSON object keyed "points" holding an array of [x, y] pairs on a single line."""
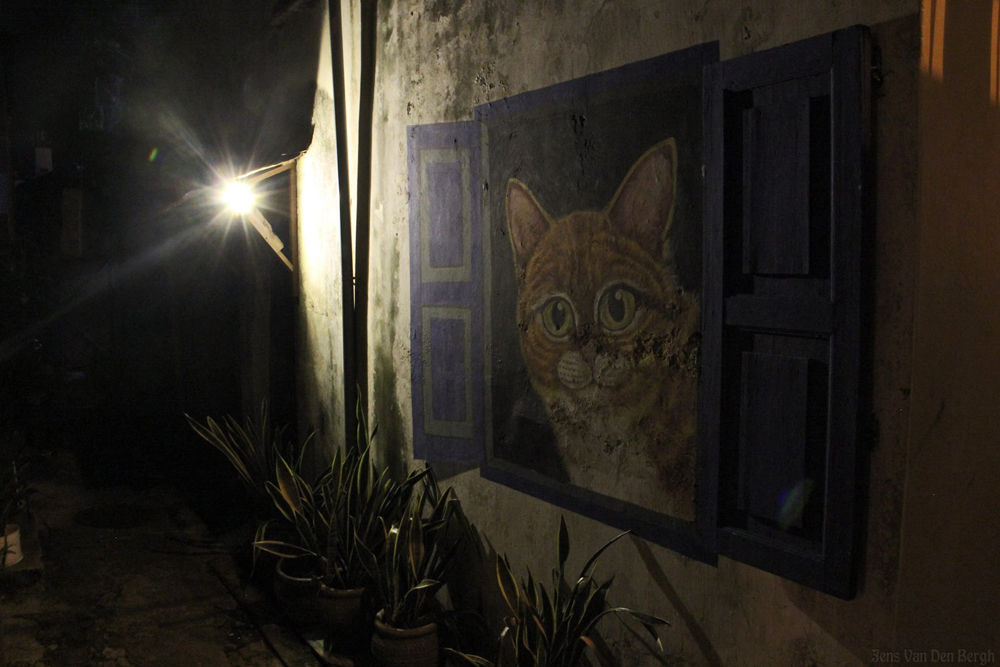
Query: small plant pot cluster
{"points": [[554, 628], [349, 542], [365, 557]]}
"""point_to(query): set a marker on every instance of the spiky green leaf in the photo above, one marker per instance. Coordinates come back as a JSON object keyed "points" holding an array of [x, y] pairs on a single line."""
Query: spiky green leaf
{"points": [[563, 543]]}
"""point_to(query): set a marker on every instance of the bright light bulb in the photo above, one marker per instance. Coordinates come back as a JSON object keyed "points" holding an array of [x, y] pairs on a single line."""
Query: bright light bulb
{"points": [[239, 197]]}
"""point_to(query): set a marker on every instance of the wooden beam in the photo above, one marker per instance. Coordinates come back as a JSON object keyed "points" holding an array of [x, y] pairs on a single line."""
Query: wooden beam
{"points": [[293, 225], [258, 175], [263, 227]]}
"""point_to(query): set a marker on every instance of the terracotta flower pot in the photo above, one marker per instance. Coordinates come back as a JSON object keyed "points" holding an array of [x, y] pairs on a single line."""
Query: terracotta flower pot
{"points": [[308, 603], [410, 647], [296, 594], [10, 545], [339, 610]]}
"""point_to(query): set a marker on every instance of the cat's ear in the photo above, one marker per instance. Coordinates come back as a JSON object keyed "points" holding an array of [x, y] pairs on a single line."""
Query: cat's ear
{"points": [[643, 207], [526, 221]]}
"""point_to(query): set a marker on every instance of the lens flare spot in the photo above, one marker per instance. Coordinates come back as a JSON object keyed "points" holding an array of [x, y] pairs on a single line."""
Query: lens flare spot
{"points": [[792, 503], [153, 154]]}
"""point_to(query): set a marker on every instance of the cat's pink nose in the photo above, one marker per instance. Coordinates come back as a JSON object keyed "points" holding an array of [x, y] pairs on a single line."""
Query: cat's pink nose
{"points": [[589, 352]]}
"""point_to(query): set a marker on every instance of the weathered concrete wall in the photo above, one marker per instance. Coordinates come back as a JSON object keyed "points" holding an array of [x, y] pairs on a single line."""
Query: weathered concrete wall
{"points": [[439, 58], [320, 348], [949, 586]]}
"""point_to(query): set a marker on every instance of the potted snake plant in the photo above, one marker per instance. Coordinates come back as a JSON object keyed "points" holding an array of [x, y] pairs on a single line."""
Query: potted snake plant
{"points": [[419, 551], [327, 529], [555, 628], [252, 448]]}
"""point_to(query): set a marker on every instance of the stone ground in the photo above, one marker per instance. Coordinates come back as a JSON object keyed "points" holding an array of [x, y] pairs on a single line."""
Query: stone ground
{"points": [[128, 582]]}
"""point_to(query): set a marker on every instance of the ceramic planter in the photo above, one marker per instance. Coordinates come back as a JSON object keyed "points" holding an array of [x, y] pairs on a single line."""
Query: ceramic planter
{"points": [[10, 545], [339, 610], [308, 603], [296, 594], [410, 647]]}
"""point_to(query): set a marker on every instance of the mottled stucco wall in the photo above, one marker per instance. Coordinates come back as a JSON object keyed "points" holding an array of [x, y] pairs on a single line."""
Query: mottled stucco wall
{"points": [[438, 59], [320, 344]]}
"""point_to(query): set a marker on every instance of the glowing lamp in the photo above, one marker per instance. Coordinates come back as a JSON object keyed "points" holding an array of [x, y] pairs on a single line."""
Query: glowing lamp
{"points": [[239, 197]]}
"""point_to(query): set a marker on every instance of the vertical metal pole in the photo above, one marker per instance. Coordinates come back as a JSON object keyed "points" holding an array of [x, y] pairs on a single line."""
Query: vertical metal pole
{"points": [[366, 105], [346, 246]]}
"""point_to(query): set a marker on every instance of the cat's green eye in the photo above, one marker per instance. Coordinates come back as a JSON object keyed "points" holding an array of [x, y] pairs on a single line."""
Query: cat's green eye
{"points": [[616, 309], [557, 317]]}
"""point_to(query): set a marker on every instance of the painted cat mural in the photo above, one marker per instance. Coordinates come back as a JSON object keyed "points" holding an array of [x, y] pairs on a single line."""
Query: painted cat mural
{"points": [[610, 339]]}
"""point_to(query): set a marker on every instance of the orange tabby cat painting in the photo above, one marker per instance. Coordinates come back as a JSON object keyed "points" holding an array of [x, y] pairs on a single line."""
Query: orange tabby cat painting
{"points": [[609, 336], [590, 194]]}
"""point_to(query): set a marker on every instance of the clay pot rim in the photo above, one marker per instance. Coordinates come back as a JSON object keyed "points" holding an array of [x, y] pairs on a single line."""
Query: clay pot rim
{"points": [[324, 590], [402, 633], [334, 592], [280, 570]]}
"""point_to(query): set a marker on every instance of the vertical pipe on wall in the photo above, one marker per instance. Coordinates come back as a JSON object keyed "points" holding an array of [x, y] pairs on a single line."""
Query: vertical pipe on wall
{"points": [[366, 103], [344, 185]]}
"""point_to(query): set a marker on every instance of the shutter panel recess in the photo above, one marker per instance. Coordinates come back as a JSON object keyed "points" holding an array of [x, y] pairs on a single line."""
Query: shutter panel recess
{"points": [[787, 132]]}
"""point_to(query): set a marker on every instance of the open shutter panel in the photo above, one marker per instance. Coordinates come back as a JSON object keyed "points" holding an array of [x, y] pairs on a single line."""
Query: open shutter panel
{"points": [[446, 292], [786, 139]]}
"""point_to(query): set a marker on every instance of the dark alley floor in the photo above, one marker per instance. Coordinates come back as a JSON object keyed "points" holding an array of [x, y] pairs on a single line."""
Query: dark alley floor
{"points": [[127, 581]]}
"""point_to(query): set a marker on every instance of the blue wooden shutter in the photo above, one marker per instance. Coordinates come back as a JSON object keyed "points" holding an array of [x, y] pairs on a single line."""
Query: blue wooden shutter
{"points": [[446, 292], [787, 133]]}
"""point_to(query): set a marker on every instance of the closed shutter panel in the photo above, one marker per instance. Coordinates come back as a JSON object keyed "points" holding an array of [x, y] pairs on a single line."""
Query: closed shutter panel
{"points": [[787, 132], [446, 292]]}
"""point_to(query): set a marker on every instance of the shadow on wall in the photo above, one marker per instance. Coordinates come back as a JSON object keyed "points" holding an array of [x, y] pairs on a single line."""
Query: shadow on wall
{"points": [[948, 591], [391, 439], [659, 577], [933, 590]]}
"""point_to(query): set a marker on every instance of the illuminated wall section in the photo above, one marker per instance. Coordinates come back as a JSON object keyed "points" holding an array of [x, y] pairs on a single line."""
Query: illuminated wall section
{"points": [[320, 332]]}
